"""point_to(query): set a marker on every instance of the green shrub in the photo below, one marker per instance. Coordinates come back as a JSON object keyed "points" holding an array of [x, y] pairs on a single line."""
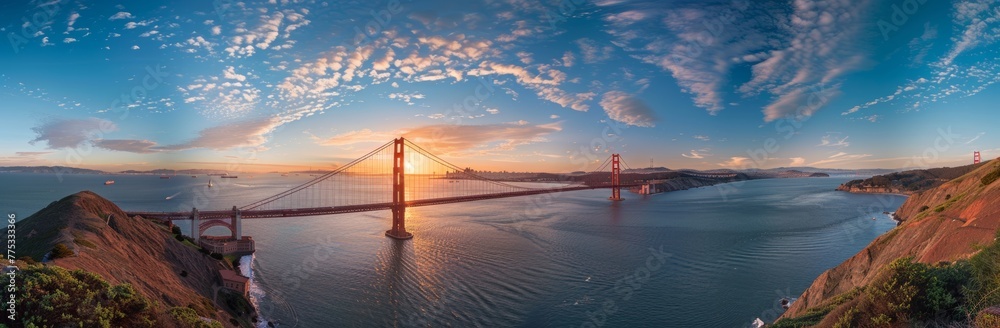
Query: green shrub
{"points": [[84, 243], [217, 256], [187, 317], [56, 297], [179, 238], [924, 208], [61, 251], [991, 177], [176, 230]]}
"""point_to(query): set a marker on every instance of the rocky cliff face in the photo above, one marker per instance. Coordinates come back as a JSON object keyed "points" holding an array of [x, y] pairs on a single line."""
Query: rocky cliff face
{"points": [[942, 224], [129, 250]]}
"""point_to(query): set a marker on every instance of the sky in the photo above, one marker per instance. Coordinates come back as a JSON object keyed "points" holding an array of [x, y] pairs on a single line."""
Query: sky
{"points": [[510, 85]]}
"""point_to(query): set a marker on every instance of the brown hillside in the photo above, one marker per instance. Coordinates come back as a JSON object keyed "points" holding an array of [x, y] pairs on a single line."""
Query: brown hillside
{"points": [[124, 250], [945, 223]]}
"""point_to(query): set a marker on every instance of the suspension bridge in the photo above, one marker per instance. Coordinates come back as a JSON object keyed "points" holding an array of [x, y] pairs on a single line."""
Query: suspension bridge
{"points": [[394, 176]]}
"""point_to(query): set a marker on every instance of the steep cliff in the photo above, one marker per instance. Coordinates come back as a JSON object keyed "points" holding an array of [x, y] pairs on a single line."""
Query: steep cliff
{"points": [[104, 241], [941, 225]]}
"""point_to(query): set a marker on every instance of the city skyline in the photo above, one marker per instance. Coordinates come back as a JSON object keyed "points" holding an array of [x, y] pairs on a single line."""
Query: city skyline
{"points": [[500, 85]]}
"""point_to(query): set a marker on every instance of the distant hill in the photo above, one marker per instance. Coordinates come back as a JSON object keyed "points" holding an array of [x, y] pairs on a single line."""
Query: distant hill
{"points": [[48, 169], [908, 182], [173, 172], [939, 268], [143, 255]]}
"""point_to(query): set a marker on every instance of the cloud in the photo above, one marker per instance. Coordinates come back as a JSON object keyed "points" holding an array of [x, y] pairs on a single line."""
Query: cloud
{"points": [[627, 109], [230, 73], [448, 139], [354, 137], [247, 133], [69, 133], [736, 162], [32, 153], [702, 138], [592, 53], [980, 135], [840, 158], [69, 40], [126, 145], [121, 15], [797, 161], [822, 48], [697, 154], [568, 59], [832, 141]]}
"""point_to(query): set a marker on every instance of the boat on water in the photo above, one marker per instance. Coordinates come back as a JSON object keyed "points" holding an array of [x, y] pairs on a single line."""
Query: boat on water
{"points": [[284, 174], [109, 182], [194, 176], [229, 176], [210, 183], [164, 177]]}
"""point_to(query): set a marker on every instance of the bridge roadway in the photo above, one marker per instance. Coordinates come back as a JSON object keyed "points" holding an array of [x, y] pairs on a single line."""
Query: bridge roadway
{"points": [[259, 214]]}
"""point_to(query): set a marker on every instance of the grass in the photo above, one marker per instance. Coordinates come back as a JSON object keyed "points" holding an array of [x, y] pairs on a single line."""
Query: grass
{"points": [[84, 243], [814, 315]]}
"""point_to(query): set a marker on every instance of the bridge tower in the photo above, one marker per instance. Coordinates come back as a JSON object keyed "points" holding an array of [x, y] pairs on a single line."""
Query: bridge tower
{"points": [[976, 158], [398, 230], [236, 225], [195, 225], [616, 190]]}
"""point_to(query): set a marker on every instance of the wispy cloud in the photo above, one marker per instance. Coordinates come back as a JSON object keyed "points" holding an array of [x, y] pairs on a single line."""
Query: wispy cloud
{"points": [[625, 108], [833, 141], [697, 154], [69, 133]]}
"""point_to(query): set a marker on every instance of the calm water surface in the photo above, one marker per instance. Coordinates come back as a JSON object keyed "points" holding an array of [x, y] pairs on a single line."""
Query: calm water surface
{"points": [[707, 257]]}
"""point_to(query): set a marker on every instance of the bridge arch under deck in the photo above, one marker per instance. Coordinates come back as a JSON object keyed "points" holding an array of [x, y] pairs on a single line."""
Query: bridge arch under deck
{"points": [[208, 224]]}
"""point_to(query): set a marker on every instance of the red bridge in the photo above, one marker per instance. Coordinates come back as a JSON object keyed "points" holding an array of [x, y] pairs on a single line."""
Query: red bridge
{"points": [[397, 175]]}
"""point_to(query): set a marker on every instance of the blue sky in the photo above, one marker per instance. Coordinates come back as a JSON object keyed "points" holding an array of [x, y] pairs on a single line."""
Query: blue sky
{"points": [[499, 84]]}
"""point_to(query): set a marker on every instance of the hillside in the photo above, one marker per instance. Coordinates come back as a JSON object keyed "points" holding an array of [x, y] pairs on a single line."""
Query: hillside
{"points": [[48, 169], [932, 257], [123, 250], [907, 182]]}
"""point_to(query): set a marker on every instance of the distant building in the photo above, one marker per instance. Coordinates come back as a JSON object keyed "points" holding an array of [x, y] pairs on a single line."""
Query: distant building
{"points": [[227, 245], [234, 281]]}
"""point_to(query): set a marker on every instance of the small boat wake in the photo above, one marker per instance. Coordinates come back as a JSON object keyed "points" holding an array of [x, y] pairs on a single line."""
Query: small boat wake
{"points": [[174, 195]]}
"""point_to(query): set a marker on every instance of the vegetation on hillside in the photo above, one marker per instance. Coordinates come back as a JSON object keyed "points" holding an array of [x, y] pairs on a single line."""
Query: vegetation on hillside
{"points": [[914, 180], [907, 293], [55, 297]]}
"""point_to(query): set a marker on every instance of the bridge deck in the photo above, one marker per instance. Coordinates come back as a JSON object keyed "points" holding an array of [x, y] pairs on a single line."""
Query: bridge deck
{"points": [[257, 214]]}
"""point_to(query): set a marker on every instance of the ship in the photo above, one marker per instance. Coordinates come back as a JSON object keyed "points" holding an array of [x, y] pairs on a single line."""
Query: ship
{"points": [[109, 182], [210, 183], [229, 176]]}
